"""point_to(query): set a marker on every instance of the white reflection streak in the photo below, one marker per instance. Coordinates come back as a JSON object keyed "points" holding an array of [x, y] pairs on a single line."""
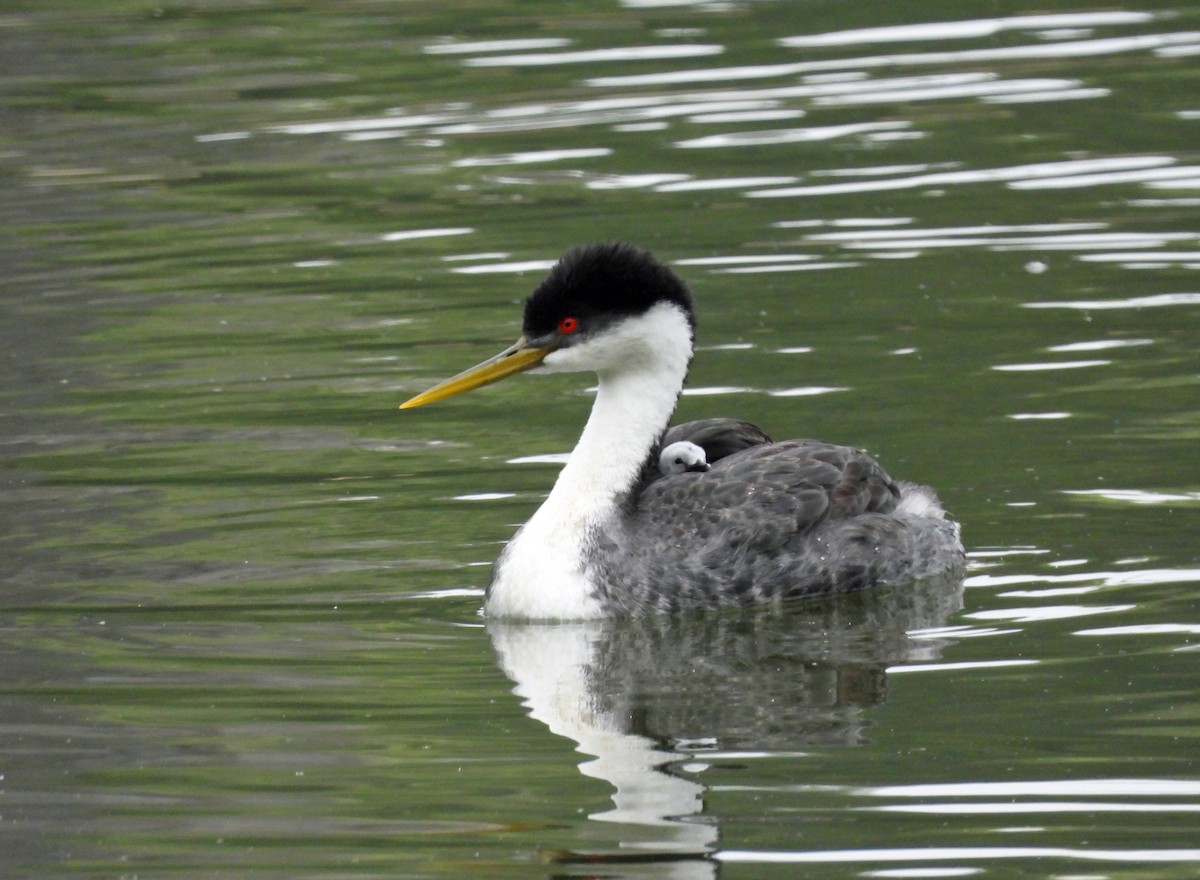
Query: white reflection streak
{"points": [[1110, 177], [1006, 808], [982, 175], [808, 391], [1177, 183], [712, 108], [958, 853], [1131, 787], [1102, 241], [531, 157], [496, 46], [862, 84], [348, 125], [635, 181], [1075, 49], [746, 116], [790, 267], [549, 458], [481, 255], [876, 236], [1049, 612], [869, 171], [613, 112], [748, 258], [494, 268], [955, 667], [625, 53], [1006, 552], [1137, 302], [1047, 95], [707, 74], [1144, 629], [1102, 578], [1137, 496], [818, 87], [713, 390], [999, 88], [957, 30], [1052, 365], [1144, 257], [1050, 592], [412, 234], [790, 135], [721, 183], [1096, 242]]}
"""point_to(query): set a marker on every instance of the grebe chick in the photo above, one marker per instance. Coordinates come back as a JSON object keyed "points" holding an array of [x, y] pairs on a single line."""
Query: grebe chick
{"points": [[682, 457]]}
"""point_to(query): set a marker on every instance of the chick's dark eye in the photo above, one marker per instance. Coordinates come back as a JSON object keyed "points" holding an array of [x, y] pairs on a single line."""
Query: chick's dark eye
{"points": [[568, 325]]}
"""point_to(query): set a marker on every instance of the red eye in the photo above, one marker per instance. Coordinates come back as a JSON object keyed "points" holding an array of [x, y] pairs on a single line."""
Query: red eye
{"points": [[568, 325]]}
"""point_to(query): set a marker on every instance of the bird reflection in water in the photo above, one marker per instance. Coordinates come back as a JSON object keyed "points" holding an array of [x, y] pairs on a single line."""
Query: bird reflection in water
{"points": [[651, 699]]}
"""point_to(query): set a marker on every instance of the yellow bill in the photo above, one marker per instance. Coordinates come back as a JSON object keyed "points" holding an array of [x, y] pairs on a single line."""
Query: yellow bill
{"points": [[517, 358]]}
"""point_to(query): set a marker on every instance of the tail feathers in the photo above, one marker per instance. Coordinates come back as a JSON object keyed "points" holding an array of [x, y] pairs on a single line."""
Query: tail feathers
{"points": [[918, 500]]}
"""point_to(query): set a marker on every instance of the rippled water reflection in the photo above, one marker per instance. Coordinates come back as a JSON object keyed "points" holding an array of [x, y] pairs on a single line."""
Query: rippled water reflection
{"points": [[240, 590]]}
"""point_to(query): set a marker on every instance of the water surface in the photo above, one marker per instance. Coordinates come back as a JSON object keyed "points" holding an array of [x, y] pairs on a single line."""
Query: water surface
{"points": [[239, 590]]}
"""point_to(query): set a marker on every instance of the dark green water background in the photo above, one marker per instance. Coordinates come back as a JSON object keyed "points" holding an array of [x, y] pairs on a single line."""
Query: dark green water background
{"points": [[238, 589]]}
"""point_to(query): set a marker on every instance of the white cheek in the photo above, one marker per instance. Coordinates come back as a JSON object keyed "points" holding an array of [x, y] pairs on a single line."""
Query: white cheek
{"points": [[575, 359]]}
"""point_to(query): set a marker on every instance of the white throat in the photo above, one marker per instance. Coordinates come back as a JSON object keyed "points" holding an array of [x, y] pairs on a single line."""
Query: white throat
{"points": [[641, 363]]}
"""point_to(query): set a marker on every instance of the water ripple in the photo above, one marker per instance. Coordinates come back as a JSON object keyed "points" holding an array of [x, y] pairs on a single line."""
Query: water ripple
{"points": [[1135, 302], [1030, 52], [590, 56], [960, 666], [958, 30], [1137, 496], [412, 234], [1006, 174], [1143, 629], [1100, 344], [996, 90], [989, 808], [1048, 612], [531, 157], [1177, 174], [1043, 788], [963, 853], [501, 268], [721, 183], [790, 136], [513, 45], [1050, 365], [1102, 578]]}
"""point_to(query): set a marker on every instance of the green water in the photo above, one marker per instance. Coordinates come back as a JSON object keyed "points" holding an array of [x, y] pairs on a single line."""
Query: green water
{"points": [[239, 589]]}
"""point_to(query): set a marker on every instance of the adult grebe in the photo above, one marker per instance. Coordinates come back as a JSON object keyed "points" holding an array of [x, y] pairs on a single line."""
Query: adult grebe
{"points": [[766, 522]]}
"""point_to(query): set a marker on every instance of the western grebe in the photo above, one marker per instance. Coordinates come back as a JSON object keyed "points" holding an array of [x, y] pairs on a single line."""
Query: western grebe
{"points": [[766, 522]]}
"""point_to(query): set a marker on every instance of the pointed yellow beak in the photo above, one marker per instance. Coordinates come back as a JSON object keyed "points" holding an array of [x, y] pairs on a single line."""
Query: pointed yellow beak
{"points": [[517, 358]]}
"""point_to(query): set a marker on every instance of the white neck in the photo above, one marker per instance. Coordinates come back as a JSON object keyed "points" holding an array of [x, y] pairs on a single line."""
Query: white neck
{"points": [[641, 365]]}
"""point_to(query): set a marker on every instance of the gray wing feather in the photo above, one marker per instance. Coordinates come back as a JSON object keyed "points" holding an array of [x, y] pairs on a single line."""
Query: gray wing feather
{"points": [[772, 521], [717, 437]]}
